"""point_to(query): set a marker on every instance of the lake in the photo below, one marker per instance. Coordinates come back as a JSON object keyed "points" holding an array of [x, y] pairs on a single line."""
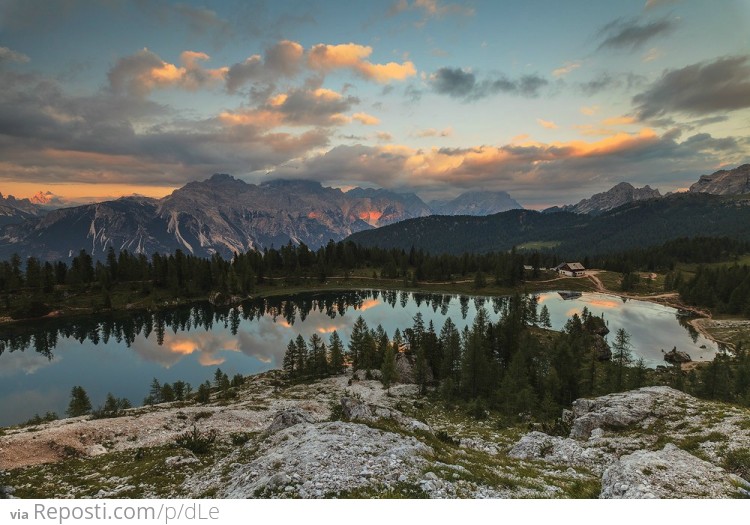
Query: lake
{"points": [[121, 353]]}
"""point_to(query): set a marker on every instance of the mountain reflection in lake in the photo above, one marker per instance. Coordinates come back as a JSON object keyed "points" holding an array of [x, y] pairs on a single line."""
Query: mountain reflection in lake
{"points": [[121, 353]]}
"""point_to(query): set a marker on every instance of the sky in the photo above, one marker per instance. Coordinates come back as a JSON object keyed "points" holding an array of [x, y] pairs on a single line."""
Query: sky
{"points": [[550, 101]]}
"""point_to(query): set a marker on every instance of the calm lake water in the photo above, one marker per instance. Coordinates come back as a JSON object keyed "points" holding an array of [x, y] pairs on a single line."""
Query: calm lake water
{"points": [[40, 362]]}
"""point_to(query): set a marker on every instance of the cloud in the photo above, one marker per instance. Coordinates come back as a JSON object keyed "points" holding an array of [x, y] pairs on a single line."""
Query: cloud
{"points": [[698, 89], [430, 8], [283, 59], [365, 119], [458, 83], [325, 58], [605, 81], [651, 4], [589, 110], [631, 34], [383, 136], [8, 55], [51, 136], [432, 132], [619, 121], [651, 55], [521, 167], [565, 69], [547, 124], [141, 73]]}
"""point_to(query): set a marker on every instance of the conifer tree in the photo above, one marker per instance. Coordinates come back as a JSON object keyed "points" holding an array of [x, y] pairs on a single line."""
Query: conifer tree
{"points": [[290, 359], [388, 369], [302, 357], [357, 342], [621, 357], [80, 404], [337, 354], [544, 318]]}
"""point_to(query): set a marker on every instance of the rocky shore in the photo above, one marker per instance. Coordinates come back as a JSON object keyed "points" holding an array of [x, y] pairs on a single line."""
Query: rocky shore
{"points": [[344, 437]]}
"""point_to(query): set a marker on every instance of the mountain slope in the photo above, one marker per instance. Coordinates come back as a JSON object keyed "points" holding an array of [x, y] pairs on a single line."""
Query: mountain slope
{"points": [[218, 215], [725, 182], [640, 223], [476, 203]]}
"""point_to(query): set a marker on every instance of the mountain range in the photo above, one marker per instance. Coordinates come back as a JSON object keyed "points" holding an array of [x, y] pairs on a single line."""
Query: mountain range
{"points": [[476, 203], [623, 193], [225, 215], [13, 211]]}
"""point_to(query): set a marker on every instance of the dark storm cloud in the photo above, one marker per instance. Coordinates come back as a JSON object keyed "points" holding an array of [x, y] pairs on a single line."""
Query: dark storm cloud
{"points": [[698, 89], [631, 34], [457, 83]]}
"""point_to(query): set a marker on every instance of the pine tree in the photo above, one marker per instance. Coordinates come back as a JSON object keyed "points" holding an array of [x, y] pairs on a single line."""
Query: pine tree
{"points": [[318, 364], [450, 370], [290, 359], [154, 394], [621, 357], [337, 354], [357, 342], [388, 369], [544, 318], [303, 363], [80, 404]]}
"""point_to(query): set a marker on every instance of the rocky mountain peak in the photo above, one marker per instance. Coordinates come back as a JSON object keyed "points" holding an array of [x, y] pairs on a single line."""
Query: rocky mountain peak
{"points": [[725, 182], [618, 195], [476, 203]]}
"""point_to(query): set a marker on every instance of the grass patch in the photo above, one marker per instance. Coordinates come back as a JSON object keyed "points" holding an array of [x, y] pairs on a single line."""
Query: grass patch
{"points": [[400, 490], [738, 462], [141, 472]]}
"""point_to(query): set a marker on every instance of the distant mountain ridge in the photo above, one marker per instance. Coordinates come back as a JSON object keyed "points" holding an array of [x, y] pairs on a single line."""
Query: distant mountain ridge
{"points": [[476, 203], [13, 211]]}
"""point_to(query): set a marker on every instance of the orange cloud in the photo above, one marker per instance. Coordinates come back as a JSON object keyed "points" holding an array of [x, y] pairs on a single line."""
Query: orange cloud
{"points": [[566, 69], [593, 131], [604, 303], [384, 73], [252, 117], [369, 303], [547, 124], [432, 132], [618, 121], [590, 110], [141, 73], [325, 57], [367, 120]]}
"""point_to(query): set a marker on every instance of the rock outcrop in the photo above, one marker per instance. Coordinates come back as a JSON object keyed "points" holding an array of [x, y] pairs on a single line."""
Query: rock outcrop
{"points": [[289, 417], [666, 473], [291, 462], [632, 439]]}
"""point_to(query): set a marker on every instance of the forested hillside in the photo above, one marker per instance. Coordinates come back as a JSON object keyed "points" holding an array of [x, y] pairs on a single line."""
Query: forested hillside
{"points": [[635, 225]]}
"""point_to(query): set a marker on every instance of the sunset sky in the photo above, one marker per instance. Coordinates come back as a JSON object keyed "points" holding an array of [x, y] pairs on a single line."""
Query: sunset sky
{"points": [[551, 101]]}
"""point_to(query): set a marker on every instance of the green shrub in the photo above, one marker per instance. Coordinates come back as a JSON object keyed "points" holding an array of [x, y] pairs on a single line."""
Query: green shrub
{"points": [[196, 441]]}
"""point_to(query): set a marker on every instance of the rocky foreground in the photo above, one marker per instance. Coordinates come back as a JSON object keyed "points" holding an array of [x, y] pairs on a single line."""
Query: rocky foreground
{"points": [[344, 437]]}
